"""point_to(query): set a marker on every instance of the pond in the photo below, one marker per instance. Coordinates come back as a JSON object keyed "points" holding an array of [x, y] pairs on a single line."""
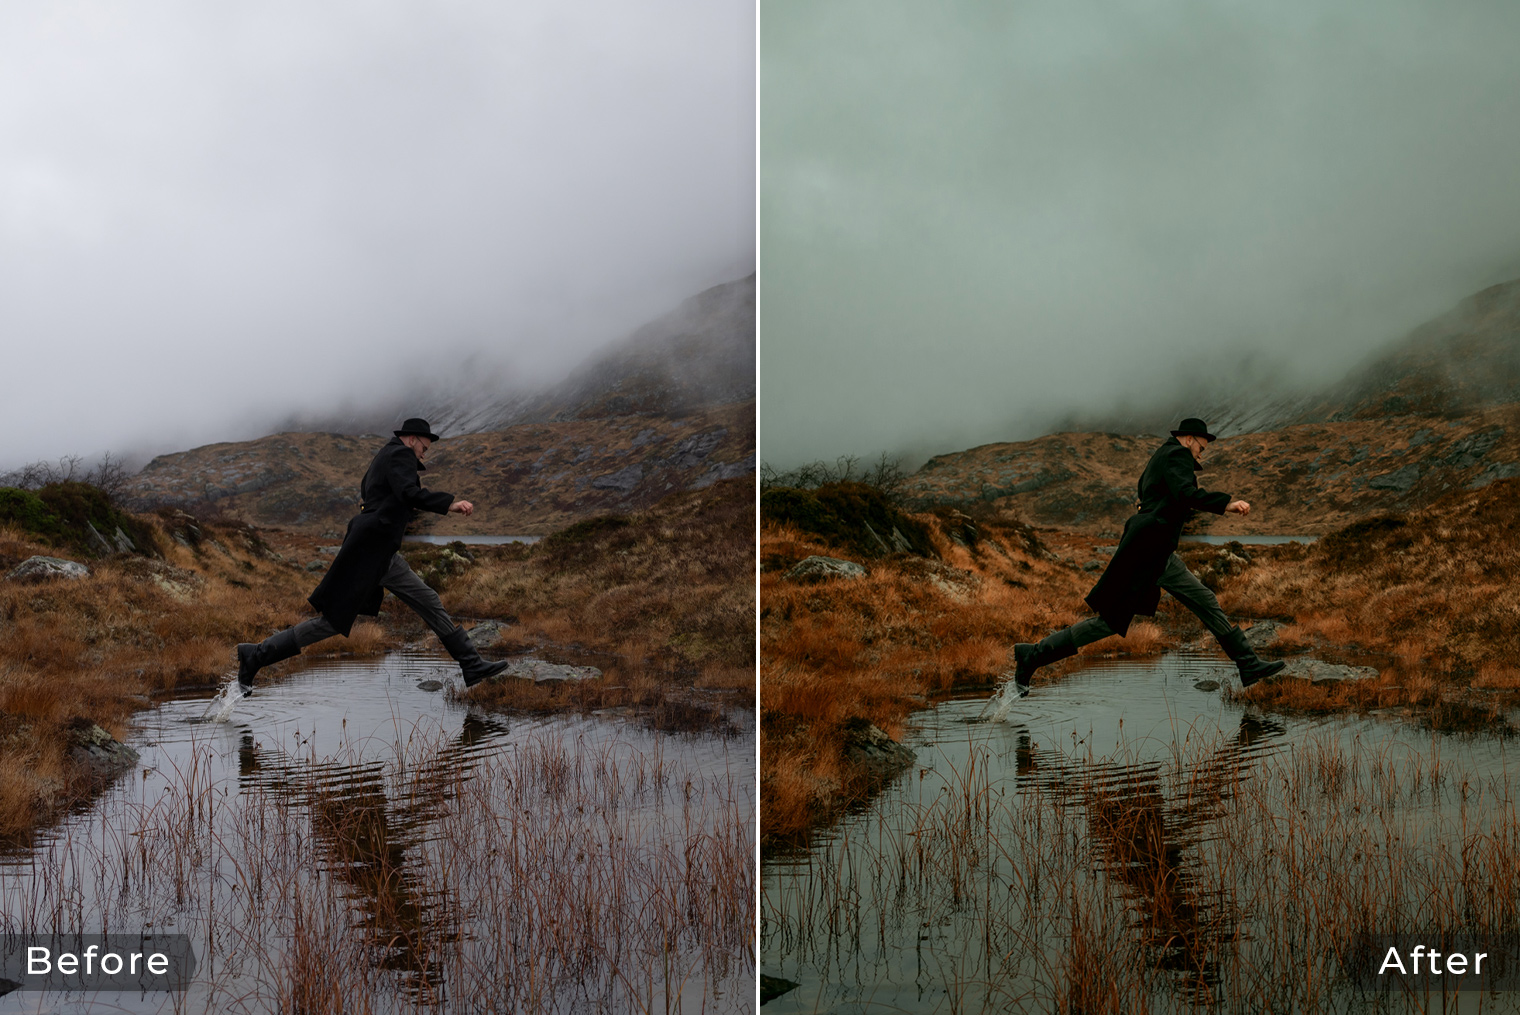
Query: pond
{"points": [[471, 540], [1249, 540], [348, 841], [1124, 841]]}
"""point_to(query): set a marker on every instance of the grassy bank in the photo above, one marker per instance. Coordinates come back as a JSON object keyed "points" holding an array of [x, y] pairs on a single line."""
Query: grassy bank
{"points": [[840, 652], [1428, 598]]}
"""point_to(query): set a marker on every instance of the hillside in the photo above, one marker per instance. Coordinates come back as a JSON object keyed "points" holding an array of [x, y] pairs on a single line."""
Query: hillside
{"points": [[1302, 480], [1464, 361], [699, 356], [1438, 411], [528, 479]]}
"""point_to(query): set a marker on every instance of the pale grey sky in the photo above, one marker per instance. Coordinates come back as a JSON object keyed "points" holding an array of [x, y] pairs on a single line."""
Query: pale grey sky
{"points": [[980, 218], [215, 215]]}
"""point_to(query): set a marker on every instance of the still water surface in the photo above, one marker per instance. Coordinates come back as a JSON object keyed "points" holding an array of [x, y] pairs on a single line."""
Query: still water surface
{"points": [[348, 835], [1122, 819]]}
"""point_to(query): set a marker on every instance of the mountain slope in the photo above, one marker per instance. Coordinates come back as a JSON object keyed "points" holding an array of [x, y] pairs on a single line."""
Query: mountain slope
{"points": [[528, 479]]}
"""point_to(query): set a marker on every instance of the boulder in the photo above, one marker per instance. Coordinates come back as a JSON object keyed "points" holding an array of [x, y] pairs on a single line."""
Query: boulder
{"points": [[486, 633], [816, 568], [869, 748], [1262, 633], [99, 752], [40, 568]]}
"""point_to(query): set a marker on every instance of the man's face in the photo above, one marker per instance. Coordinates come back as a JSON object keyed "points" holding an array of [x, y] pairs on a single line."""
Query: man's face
{"points": [[419, 445], [1197, 445]]}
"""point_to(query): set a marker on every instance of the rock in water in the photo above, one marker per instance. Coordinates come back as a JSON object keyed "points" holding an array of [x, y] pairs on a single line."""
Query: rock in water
{"points": [[817, 568], [430, 685], [869, 748], [772, 987], [1206, 685], [99, 752], [39, 568]]}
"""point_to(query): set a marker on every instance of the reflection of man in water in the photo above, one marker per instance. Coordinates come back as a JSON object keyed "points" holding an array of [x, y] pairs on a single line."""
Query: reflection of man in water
{"points": [[1149, 842], [368, 563], [1146, 562]]}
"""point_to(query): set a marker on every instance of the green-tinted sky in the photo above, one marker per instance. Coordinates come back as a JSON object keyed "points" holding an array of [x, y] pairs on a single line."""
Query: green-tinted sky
{"points": [[980, 218]]}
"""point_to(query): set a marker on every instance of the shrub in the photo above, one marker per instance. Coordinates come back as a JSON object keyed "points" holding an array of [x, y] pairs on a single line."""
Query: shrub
{"points": [[846, 514]]}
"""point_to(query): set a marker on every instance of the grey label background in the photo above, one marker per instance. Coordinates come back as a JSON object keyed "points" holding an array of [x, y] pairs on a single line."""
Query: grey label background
{"points": [[1501, 969], [13, 961]]}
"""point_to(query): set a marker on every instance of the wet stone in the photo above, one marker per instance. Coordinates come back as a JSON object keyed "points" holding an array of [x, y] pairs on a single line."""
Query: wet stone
{"points": [[1206, 685], [868, 747], [430, 685], [772, 987], [542, 672], [102, 754]]}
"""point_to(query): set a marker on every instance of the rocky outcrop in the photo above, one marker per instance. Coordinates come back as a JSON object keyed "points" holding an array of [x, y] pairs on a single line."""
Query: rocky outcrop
{"points": [[1317, 670], [816, 568], [541, 672], [42, 568]]}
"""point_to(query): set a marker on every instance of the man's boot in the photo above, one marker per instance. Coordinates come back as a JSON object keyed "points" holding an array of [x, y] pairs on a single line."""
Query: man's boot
{"points": [[252, 658], [475, 669], [1028, 658], [1252, 667]]}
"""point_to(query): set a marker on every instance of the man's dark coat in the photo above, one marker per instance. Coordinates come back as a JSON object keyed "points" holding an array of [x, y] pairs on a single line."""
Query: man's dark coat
{"points": [[391, 492], [1169, 495]]}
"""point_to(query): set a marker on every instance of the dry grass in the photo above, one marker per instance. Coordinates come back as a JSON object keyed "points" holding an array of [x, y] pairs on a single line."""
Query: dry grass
{"points": [[96, 650], [878, 647], [1428, 598], [662, 601]]}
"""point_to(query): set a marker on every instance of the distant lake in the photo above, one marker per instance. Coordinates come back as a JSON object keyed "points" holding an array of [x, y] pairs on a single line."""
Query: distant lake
{"points": [[1249, 540], [472, 540]]}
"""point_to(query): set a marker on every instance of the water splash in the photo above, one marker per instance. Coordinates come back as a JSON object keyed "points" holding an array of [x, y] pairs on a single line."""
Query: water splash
{"points": [[220, 708], [1006, 696]]}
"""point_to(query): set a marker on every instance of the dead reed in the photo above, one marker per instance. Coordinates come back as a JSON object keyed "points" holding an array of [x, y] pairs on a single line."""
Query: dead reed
{"points": [[565, 872], [1229, 876]]}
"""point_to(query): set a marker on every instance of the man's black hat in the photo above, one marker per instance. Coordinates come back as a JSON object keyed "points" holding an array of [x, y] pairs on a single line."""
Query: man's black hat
{"points": [[1191, 427], [420, 428]]}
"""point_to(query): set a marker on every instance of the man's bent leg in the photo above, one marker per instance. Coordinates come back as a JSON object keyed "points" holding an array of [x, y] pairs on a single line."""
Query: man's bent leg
{"points": [[1196, 596], [404, 584]]}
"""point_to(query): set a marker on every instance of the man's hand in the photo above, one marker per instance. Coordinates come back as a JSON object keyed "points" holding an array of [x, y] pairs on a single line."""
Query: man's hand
{"points": [[464, 507], [1238, 507]]}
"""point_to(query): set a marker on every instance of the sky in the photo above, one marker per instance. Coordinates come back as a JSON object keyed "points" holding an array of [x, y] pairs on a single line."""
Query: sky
{"points": [[217, 215], [979, 219]]}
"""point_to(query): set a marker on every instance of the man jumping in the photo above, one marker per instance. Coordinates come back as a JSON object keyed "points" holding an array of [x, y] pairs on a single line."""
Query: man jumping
{"points": [[368, 563], [1146, 562]]}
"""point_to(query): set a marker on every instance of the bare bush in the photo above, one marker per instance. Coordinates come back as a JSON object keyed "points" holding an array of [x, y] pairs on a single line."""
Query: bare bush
{"points": [[109, 474], [885, 475]]}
